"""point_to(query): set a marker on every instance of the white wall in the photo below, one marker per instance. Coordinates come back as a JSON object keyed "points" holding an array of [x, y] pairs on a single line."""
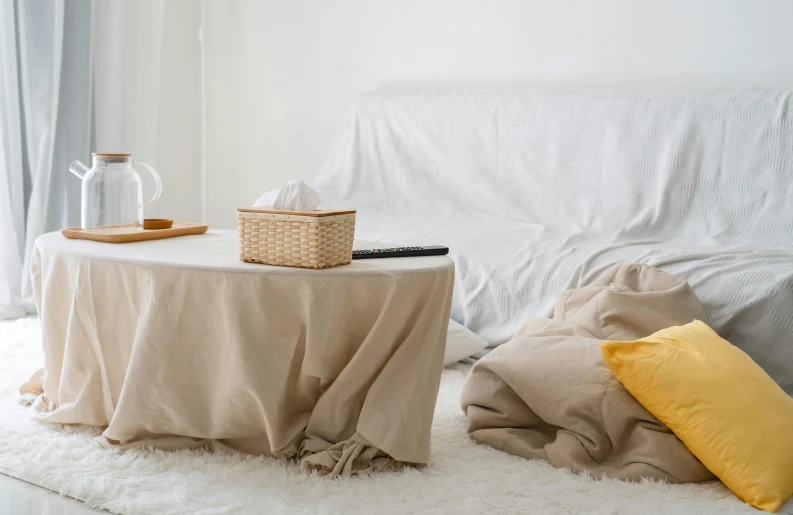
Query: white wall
{"points": [[282, 74], [178, 156]]}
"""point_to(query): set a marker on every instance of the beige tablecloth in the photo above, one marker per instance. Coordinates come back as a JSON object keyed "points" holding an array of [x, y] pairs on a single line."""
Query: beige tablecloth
{"points": [[175, 343]]}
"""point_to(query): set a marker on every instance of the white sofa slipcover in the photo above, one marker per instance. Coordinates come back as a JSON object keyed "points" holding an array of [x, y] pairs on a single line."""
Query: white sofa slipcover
{"points": [[536, 191]]}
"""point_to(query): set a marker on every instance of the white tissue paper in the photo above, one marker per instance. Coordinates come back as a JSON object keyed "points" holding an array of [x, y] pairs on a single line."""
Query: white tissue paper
{"points": [[296, 196]]}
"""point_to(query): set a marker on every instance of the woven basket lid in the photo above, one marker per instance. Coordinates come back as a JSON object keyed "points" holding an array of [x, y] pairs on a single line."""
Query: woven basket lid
{"points": [[318, 212]]}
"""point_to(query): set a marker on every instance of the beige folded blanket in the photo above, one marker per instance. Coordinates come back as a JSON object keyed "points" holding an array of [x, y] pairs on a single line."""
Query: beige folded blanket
{"points": [[548, 394]]}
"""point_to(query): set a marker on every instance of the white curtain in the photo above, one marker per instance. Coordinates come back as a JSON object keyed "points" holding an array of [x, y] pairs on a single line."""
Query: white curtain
{"points": [[127, 59], [45, 71], [76, 76], [12, 207], [81, 76]]}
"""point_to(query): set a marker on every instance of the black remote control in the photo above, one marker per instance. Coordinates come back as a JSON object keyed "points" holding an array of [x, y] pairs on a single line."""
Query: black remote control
{"points": [[435, 250]]}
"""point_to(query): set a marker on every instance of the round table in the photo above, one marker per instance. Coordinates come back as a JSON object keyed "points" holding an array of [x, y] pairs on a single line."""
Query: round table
{"points": [[176, 343]]}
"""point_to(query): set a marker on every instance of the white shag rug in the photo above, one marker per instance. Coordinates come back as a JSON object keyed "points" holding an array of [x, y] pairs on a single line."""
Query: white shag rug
{"points": [[464, 477]]}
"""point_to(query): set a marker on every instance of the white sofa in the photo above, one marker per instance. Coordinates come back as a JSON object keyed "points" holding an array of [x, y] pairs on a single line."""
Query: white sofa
{"points": [[538, 190]]}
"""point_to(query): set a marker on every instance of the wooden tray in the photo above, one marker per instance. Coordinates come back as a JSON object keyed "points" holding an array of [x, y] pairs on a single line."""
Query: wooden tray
{"points": [[127, 233]]}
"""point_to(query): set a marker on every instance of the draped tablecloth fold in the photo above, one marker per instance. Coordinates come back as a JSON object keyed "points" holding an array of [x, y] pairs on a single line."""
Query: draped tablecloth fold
{"points": [[175, 343]]}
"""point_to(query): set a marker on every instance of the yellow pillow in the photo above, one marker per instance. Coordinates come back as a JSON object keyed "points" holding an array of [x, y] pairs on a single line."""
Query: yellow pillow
{"points": [[719, 402]]}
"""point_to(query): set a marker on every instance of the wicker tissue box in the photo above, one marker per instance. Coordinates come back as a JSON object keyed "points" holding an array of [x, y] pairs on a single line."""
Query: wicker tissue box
{"points": [[301, 239]]}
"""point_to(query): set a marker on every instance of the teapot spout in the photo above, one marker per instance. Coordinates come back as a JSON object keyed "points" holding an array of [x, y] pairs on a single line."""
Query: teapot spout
{"points": [[78, 169]]}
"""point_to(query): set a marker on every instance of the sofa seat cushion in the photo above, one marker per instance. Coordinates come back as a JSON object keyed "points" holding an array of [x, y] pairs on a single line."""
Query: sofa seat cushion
{"points": [[508, 271]]}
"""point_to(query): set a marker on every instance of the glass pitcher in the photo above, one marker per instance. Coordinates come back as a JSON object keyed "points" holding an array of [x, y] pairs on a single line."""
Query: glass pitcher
{"points": [[112, 195]]}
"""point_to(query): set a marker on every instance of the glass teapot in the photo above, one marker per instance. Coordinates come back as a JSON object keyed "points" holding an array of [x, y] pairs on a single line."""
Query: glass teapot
{"points": [[112, 194]]}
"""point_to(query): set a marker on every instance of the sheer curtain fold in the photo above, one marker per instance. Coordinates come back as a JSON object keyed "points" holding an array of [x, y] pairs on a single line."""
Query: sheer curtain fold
{"points": [[45, 65], [12, 180], [78, 76]]}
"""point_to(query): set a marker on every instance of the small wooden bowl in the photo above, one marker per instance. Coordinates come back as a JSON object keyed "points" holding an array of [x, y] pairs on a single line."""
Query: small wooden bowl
{"points": [[157, 223]]}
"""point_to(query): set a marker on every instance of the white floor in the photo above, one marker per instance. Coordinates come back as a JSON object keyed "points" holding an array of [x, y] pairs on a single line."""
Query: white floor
{"points": [[21, 498]]}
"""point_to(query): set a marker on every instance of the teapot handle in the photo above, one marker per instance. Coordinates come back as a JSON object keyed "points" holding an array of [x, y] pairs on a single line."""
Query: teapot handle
{"points": [[157, 179]]}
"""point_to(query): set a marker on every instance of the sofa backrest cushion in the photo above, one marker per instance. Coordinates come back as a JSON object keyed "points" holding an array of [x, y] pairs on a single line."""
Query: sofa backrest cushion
{"points": [[703, 164]]}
